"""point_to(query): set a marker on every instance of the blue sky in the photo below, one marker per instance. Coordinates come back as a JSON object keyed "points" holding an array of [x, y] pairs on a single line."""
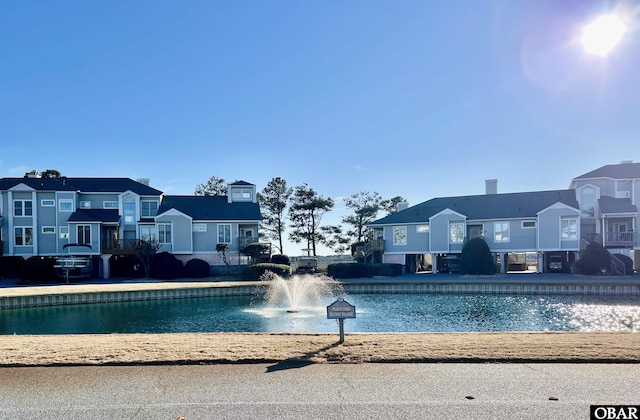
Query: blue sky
{"points": [[413, 98]]}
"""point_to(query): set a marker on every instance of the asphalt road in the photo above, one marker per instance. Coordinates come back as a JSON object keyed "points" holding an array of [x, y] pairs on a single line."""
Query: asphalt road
{"points": [[286, 391]]}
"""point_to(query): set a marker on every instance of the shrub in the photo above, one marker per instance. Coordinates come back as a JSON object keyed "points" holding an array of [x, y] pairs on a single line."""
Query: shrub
{"points": [[476, 258], [628, 263], [594, 259], [11, 267], [254, 272], [38, 270], [197, 269], [347, 270], [165, 266], [257, 251], [280, 259]]}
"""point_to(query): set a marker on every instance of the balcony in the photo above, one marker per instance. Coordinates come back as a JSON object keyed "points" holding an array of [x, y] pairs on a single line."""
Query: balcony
{"points": [[619, 239], [375, 245]]}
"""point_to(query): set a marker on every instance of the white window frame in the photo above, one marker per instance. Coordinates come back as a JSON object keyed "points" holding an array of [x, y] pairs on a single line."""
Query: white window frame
{"points": [[84, 231], [64, 232], [422, 228], [23, 208], [48, 230], [589, 209], [65, 201], [110, 204], [23, 235], [129, 206], [47, 202], [399, 235], [241, 194], [199, 227], [223, 233], [571, 234], [149, 230], [528, 227], [162, 233], [499, 226], [148, 213], [456, 232]]}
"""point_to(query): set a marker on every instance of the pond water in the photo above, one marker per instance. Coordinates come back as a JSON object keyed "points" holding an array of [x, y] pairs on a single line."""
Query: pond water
{"points": [[375, 313]]}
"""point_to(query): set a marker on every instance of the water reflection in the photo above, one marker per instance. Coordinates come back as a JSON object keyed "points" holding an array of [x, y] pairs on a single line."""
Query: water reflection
{"points": [[375, 313]]}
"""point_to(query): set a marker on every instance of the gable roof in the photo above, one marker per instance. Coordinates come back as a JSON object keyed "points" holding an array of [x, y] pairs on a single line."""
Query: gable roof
{"points": [[80, 184], [628, 170], [241, 183], [610, 205], [210, 207], [484, 207]]}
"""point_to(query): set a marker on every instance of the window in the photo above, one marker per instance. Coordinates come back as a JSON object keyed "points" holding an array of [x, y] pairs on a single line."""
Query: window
{"points": [[85, 204], [399, 235], [199, 227], [149, 208], [65, 205], [23, 236], [164, 233], [64, 232], [528, 224], [129, 210], [48, 203], [48, 230], [456, 232], [588, 201], [569, 228], [148, 232], [109, 204], [241, 194], [501, 231], [22, 208], [84, 234], [224, 234], [422, 228]]}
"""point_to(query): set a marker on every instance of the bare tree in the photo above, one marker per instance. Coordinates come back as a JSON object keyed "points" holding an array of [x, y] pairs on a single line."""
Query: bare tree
{"points": [[145, 250]]}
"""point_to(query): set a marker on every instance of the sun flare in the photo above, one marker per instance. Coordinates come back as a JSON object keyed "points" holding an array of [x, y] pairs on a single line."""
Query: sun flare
{"points": [[603, 34]]}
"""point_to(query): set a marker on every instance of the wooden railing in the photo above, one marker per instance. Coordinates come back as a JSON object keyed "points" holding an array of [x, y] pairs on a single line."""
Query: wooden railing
{"points": [[118, 246], [369, 247]]}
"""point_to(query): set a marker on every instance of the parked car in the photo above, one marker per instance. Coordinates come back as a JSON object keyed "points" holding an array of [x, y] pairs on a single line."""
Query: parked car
{"points": [[555, 263], [307, 265]]}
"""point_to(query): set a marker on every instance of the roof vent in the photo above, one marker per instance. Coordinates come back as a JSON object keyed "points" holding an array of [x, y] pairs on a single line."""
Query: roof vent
{"points": [[625, 161]]}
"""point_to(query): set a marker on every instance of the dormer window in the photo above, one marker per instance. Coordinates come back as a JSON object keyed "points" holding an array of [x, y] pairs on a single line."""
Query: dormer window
{"points": [[241, 194]]}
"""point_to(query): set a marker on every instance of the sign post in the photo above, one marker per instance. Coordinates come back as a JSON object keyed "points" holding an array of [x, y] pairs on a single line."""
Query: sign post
{"points": [[341, 310]]}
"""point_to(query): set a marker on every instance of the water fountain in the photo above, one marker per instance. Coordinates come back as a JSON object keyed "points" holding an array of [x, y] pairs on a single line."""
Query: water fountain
{"points": [[300, 293]]}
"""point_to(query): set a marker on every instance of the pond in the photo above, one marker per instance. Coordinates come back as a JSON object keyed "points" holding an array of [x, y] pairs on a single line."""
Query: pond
{"points": [[375, 313]]}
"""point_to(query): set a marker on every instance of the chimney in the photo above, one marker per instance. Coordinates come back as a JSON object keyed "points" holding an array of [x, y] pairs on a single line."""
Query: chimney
{"points": [[403, 205], [491, 186], [143, 181]]}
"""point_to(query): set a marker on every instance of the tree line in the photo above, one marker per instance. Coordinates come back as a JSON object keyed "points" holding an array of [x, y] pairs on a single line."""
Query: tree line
{"points": [[301, 208]]}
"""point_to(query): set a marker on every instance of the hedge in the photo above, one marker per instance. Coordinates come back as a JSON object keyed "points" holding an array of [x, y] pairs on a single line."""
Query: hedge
{"points": [[36, 270], [254, 272], [166, 266], [197, 269], [356, 270]]}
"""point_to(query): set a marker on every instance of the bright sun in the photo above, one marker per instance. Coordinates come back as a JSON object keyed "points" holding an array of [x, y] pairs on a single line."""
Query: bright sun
{"points": [[603, 34]]}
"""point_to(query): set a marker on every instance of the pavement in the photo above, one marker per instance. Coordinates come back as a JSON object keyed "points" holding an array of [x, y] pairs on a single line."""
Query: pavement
{"points": [[315, 391]]}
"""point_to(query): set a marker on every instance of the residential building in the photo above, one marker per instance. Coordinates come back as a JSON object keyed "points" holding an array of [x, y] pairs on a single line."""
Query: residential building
{"points": [[38, 216], [525, 231]]}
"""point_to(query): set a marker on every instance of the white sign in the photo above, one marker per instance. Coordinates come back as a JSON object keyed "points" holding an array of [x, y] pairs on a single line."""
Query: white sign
{"points": [[341, 309]]}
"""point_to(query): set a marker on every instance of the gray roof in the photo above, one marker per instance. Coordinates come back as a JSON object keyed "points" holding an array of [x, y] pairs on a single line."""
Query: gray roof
{"points": [[484, 207], [115, 185], [241, 183], [618, 171], [210, 207], [610, 205], [95, 215]]}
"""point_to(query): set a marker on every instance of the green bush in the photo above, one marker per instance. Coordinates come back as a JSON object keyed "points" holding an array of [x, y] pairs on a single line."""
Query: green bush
{"points": [[125, 266], [197, 269], [594, 259], [476, 258], [385, 269], [254, 272], [280, 259], [11, 267], [38, 270], [347, 270], [166, 266], [628, 263]]}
